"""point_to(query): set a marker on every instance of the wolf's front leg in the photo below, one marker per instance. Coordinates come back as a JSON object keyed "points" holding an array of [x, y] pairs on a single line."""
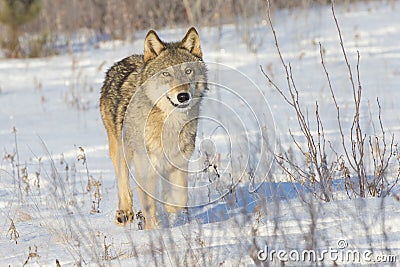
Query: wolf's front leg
{"points": [[146, 190], [145, 176], [124, 213], [176, 193], [149, 208]]}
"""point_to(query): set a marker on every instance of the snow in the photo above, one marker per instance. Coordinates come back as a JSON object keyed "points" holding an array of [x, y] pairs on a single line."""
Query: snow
{"points": [[54, 105]]}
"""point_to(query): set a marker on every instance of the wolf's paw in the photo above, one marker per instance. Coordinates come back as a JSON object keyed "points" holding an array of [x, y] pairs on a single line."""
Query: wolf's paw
{"points": [[123, 217]]}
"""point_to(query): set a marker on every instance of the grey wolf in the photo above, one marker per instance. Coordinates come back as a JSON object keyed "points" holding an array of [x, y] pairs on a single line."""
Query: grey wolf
{"points": [[149, 105]]}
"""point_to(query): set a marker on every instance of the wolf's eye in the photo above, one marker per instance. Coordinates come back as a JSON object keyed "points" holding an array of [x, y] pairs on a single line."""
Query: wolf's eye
{"points": [[166, 74], [188, 71]]}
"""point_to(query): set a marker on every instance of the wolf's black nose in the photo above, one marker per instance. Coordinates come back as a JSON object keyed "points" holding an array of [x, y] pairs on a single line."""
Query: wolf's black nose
{"points": [[183, 97]]}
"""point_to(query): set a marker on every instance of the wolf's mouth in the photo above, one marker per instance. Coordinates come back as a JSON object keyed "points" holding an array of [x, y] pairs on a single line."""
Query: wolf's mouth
{"points": [[183, 105]]}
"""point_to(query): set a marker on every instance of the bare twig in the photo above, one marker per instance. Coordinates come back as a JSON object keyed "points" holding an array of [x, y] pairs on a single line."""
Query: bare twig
{"points": [[82, 157], [12, 232], [32, 254], [317, 176], [317, 172]]}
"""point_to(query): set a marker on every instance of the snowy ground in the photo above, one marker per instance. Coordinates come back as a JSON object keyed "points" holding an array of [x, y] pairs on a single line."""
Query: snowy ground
{"points": [[53, 105]]}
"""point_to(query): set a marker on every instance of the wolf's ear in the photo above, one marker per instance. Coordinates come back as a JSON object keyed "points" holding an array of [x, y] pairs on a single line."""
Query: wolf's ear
{"points": [[191, 42], [152, 46]]}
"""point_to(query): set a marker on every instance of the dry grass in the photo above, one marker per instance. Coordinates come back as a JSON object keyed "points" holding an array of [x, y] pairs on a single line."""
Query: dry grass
{"points": [[315, 170]]}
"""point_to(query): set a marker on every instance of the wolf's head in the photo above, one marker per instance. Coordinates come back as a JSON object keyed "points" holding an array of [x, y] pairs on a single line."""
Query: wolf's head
{"points": [[174, 74]]}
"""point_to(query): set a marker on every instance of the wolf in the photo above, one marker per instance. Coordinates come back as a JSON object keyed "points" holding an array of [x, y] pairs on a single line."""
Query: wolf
{"points": [[150, 106]]}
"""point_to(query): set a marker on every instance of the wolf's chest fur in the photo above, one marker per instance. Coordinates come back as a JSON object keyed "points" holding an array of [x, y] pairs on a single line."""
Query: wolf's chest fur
{"points": [[170, 134]]}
